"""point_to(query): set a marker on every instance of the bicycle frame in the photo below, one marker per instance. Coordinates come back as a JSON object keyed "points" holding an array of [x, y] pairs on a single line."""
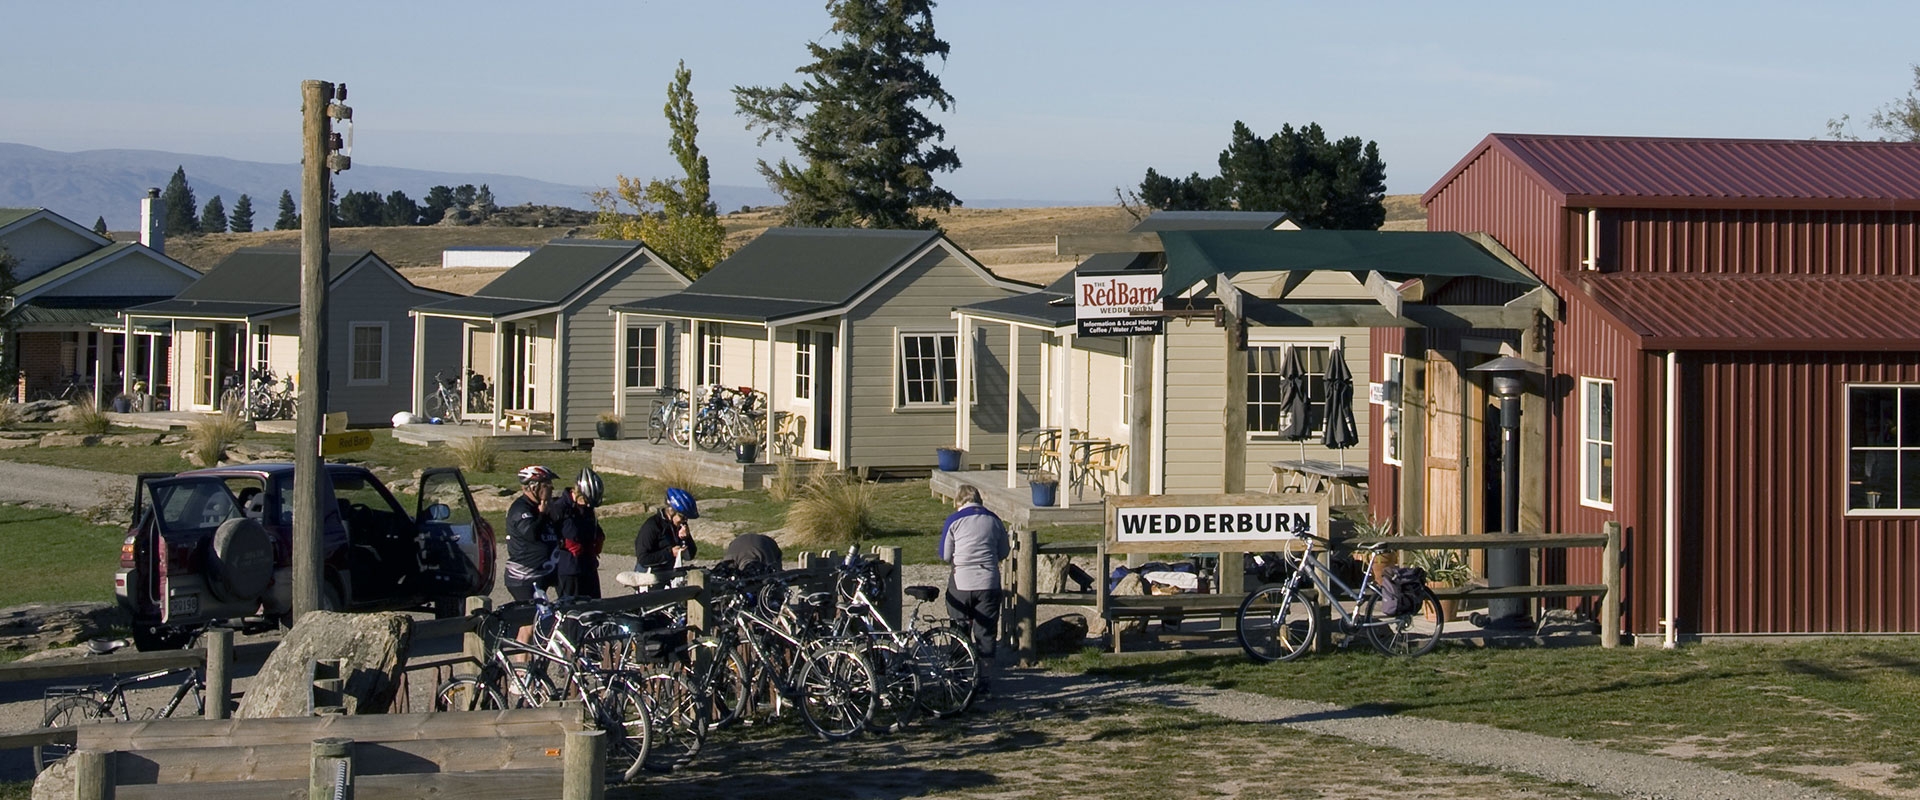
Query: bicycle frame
{"points": [[1325, 581]]}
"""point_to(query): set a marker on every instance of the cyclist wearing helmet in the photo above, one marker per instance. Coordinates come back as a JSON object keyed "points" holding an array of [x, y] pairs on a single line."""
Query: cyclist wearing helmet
{"points": [[580, 537], [531, 535], [664, 541]]}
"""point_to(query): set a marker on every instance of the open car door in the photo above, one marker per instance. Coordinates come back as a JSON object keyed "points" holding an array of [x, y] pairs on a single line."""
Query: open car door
{"points": [[214, 563], [456, 545]]}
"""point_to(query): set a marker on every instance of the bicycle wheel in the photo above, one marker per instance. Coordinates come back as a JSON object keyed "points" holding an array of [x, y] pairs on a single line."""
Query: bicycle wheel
{"points": [[622, 713], [949, 671], [657, 427], [68, 712], [837, 693], [897, 681], [729, 692], [1411, 634], [676, 718], [529, 687], [710, 433], [466, 693], [1277, 624]]}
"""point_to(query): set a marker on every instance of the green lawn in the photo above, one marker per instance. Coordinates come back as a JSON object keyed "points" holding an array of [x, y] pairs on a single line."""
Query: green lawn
{"points": [[55, 557], [1780, 710]]}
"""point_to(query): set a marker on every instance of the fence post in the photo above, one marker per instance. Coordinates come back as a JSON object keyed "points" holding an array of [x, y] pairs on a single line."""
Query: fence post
{"points": [[219, 662], [896, 583], [584, 766], [92, 775], [331, 774], [1026, 589], [1610, 575], [472, 644], [697, 605]]}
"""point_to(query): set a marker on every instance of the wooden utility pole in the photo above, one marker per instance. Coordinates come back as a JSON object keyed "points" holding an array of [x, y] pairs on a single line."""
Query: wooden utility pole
{"points": [[310, 406]]}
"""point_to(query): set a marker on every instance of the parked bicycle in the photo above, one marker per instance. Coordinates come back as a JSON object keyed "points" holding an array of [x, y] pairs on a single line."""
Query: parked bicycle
{"points": [[1281, 620], [729, 417], [479, 394], [71, 706], [445, 403], [73, 388], [272, 397], [932, 668], [668, 419]]}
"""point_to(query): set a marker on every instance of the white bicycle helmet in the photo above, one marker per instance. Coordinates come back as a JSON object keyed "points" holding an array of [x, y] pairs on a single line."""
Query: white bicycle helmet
{"points": [[535, 474]]}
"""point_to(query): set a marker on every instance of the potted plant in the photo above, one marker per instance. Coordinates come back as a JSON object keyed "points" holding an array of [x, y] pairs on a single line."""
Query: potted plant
{"points": [[1444, 568], [608, 427], [1046, 488], [744, 449], [949, 458]]}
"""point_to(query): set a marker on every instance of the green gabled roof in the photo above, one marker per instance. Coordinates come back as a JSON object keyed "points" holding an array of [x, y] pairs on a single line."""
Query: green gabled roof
{"points": [[33, 284], [1168, 221], [1194, 256], [558, 269], [264, 275], [8, 216], [73, 310], [829, 266]]}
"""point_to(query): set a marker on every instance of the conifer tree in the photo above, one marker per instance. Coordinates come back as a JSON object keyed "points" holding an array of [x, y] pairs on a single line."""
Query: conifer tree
{"points": [[868, 154], [100, 226], [178, 199], [213, 218], [241, 219], [289, 219]]}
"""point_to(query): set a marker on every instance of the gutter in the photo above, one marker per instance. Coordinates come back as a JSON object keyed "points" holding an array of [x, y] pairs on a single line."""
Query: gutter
{"points": [[1672, 506]]}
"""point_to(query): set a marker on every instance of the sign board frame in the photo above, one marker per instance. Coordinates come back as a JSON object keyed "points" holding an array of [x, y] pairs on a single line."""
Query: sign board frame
{"points": [[333, 444], [1120, 319], [1293, 501]]}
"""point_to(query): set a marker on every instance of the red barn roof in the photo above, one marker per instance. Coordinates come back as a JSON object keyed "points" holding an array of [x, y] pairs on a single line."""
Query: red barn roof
{"points": [[1645, 172]]}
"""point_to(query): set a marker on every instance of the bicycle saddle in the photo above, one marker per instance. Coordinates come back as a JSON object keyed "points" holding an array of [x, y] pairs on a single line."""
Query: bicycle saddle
{"points": [[924, 594], [637, 580]]}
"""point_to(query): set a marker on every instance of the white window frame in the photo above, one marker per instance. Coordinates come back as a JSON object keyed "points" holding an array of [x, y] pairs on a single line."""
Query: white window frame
{"points": [[942, 356], [1393, 422], [1331, 345], [712, 345], [1888, 508], [803, 364], [630, 371], [1610, 446], [263, 346], [353, 353]]}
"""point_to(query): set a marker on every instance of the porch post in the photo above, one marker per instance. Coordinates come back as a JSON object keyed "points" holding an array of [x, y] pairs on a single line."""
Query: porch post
{"points": [[126, 357], [620, 365], [499, 372], [773, 338], [1063, 385], [963, 407], [246, 369], [1013, 405], [99, 366], [841, 382], [557, 384], [1159, 416], [420, 360], [466, 362], [697, 351]]}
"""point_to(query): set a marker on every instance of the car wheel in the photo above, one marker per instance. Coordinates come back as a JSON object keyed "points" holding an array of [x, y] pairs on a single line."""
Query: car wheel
{"points": [[154, 637]]}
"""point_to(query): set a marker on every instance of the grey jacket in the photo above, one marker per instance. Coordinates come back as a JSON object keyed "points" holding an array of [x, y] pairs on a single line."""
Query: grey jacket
{"points": [[974, 541]]}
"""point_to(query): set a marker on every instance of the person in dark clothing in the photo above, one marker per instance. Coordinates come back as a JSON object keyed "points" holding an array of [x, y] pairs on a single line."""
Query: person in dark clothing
{"points": [[664, 543], [531, 535], [578, 565], [755, 548], [975, 541]]}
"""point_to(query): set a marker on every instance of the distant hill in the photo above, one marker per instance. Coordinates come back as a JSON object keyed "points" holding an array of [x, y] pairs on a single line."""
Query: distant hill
{"points": [[110, 183]]}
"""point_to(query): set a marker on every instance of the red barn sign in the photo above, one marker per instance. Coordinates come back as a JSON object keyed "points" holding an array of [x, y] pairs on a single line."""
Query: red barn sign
{"points": [[1109, 304]]}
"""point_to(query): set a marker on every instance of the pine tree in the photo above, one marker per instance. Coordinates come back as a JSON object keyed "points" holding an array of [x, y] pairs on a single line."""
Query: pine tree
{"points": [[241, 220], [483, 206], [432, 209], [868, 152], [360, 210], [100, 226], [289, 219], [1333, 185], [213, 219], [674, 217], [178, 199], [400, 210]]}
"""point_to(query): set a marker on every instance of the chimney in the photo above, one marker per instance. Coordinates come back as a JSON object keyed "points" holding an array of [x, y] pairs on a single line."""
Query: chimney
{"points": [[153, 221]]}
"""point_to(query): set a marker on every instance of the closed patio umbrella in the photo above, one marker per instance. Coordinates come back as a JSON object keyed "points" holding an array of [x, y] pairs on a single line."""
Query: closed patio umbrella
{"points": [[1293, 400], [1340, 432]]}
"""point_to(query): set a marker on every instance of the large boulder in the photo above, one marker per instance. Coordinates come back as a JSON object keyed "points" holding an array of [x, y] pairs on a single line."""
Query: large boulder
{"points": [[1063, 634], [374, 647]]}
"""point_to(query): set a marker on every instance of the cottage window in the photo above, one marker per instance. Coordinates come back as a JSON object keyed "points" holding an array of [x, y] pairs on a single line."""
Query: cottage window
{"points": [[1395, 367], [1883, 449], [713, 359], [803, 365], [368, 348], [262, 346], [1596, 442], [1266, 414], [929, 368], [643, 357]]}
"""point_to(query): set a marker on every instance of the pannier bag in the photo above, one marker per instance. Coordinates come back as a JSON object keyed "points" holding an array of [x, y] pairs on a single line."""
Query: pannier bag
{"points": [[1401, 592]]}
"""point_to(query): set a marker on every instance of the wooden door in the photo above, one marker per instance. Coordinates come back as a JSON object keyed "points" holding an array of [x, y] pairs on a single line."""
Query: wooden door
{"points": [[1446, 467]]}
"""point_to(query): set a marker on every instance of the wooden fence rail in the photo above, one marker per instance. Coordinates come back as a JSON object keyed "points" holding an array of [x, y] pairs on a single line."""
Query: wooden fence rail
{"points": [[1227, 595]]}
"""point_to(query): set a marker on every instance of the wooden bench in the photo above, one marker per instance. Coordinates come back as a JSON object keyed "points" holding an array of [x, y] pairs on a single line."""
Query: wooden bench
{"points": [[529, 421], [474, 755]]}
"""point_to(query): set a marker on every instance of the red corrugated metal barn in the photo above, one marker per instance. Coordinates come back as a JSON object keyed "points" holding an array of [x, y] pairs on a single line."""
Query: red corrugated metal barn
{"points": [[1769, 293]]}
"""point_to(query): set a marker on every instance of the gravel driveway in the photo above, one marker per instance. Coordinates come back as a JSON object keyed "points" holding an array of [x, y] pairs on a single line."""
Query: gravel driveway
{"points": [[73, 490]]}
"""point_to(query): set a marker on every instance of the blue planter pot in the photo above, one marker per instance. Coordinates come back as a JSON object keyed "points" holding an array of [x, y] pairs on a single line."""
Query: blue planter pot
{"points": [[1044, 494], [949, 458]]}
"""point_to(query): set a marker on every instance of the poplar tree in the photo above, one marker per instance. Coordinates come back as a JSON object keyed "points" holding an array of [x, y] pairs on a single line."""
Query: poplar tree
{"points": [[868, 154], [675, 217], [241, 219]]}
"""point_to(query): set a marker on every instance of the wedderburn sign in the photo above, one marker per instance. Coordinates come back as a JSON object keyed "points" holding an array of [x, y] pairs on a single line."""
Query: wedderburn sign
{"points": [[1185, 524], [1105, 303]]}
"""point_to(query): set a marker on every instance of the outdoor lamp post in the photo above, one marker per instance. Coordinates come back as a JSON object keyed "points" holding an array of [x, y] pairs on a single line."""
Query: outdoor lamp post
{"points": [[1508, 567]]}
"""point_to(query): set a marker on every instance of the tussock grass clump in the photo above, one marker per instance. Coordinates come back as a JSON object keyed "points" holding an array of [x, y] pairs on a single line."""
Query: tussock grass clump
{"points": [[209, 438], [9, 415], [679, 472], [87, 417], [833, 510], [476, 453]]}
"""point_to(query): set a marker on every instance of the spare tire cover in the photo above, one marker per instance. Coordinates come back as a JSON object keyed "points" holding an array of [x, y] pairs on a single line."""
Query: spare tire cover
{"points": [[240, 568]]}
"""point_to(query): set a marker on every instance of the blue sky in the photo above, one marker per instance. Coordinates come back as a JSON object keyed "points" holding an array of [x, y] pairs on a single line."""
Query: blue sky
{"points": [[1056, 101]]}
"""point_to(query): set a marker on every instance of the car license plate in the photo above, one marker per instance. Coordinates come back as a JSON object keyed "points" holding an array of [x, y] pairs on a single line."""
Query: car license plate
{"points": [[184, 605]]}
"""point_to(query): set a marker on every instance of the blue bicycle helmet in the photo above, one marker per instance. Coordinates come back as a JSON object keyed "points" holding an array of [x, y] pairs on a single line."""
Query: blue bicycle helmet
{"points": [[679, 500]]}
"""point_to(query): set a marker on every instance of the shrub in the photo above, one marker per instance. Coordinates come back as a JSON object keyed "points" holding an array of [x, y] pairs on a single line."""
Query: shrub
{"points": [[9, 415], [476, 453], [209, 438], [86, 417], [832, 510], [679, 472]]}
